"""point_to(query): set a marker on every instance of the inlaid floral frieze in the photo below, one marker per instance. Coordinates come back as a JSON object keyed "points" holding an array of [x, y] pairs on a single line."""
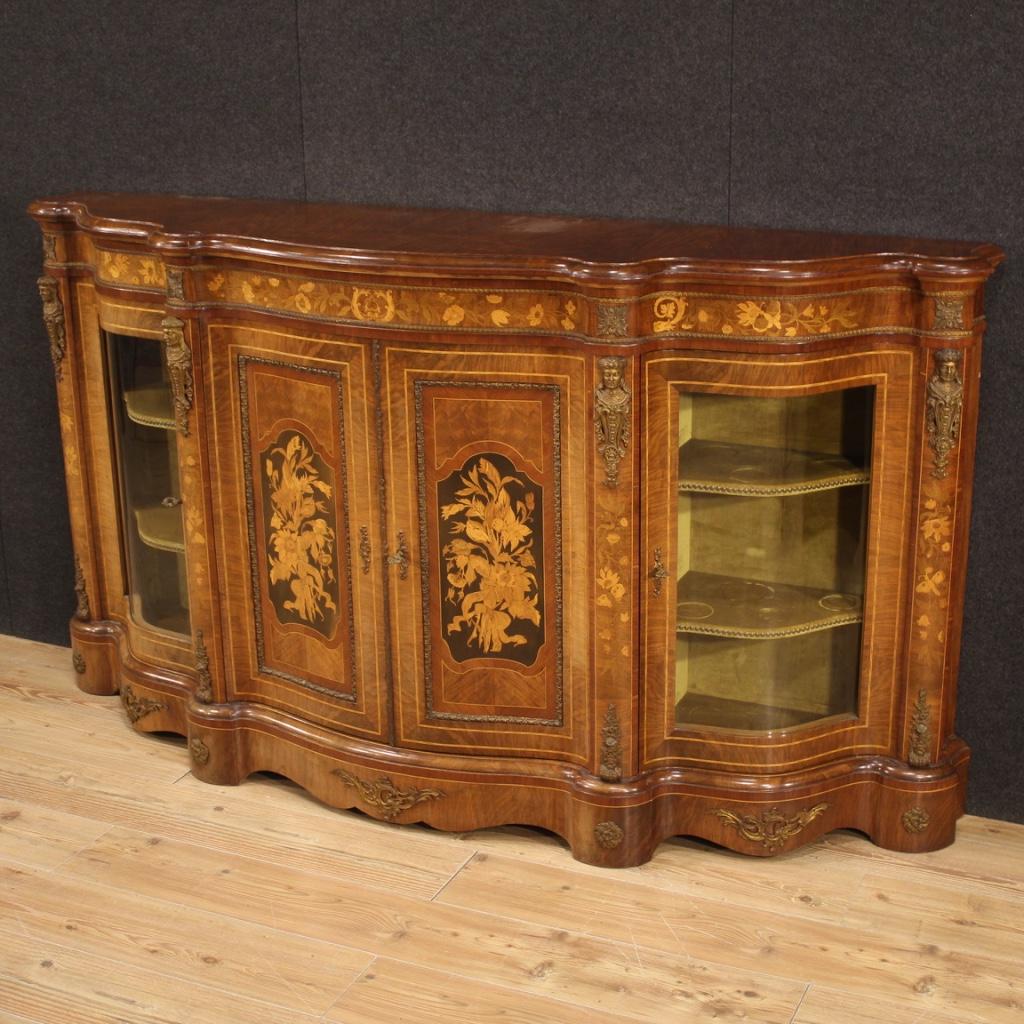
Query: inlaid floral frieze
{"points": [[421, 307], [299, 510], [675, 312], [562, 311], [126, 268], [493, 604]]}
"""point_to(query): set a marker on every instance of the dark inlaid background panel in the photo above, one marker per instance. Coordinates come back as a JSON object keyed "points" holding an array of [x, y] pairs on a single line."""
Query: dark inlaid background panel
{"points": [[860, 116], [300, 541], [489, 463]]}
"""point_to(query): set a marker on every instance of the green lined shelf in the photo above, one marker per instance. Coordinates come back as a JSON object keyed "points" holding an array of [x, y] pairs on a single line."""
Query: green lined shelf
{"points": [[150, 407], [748, 470], [161, 528]]}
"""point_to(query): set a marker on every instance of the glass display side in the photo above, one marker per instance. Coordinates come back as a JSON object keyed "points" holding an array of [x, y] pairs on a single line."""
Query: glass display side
{"points": [[772, 510], [147, 457]]}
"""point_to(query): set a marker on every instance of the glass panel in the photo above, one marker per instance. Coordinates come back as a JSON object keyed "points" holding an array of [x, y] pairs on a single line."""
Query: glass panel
{"points": [[147, 446], [772, 512]]}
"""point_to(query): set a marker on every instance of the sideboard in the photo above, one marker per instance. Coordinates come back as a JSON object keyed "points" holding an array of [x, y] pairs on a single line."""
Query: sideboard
{"points": [[620, 529]]}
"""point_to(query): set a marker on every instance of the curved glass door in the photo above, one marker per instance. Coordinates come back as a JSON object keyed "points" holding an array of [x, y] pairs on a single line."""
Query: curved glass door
{"points": [[147, 447], [771, 515]]}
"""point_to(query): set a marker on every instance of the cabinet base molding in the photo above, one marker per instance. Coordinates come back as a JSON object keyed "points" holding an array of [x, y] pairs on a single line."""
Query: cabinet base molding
{"points": [[606, 824]]}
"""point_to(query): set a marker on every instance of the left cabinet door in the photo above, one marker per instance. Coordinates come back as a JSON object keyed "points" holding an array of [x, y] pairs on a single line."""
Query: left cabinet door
{"points": [[295, 493]]}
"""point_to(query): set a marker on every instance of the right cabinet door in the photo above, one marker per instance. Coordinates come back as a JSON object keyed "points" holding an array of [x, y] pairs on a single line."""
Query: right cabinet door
{"points": [[775, 501]]}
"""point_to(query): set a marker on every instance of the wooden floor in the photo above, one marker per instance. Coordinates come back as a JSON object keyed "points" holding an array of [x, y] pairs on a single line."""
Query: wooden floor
{"points": [[130, 892]]}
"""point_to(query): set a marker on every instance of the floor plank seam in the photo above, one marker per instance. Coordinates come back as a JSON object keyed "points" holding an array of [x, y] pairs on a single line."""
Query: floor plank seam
{"points": [[348, 988], [803, 996], [161, 832], [458, 871], [71, 856]]}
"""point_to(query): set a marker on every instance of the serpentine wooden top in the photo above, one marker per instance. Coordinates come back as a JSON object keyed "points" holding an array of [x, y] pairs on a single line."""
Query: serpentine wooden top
{"points": [[598, 250]]}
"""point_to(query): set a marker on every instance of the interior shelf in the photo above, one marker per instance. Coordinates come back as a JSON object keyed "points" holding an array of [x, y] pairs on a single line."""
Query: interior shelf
{"points": [[729, 606], [150, 407], [161, 528], [717, 467], [722, 712]]}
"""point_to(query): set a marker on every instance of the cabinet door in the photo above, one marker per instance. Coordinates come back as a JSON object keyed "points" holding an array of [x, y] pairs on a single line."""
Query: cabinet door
{"points": [[295, 489], [486, 502], [776, 502]]}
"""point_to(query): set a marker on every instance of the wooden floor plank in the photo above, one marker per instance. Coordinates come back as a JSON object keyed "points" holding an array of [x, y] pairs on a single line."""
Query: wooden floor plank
{"points": [[938, 911], [391, 992], [16, 651], [831, 1006], [343, 845], [39, 837], [969, 858], [809, 882], [548, 961], [195, 946], [78, 738], [52, 984], [872, 962], [195, 903]]}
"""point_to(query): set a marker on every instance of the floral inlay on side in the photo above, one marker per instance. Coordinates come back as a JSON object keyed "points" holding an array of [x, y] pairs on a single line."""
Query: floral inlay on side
{"points": [[127, 268], [493, 602], [771, 318], [300, 539], [934, 546]]}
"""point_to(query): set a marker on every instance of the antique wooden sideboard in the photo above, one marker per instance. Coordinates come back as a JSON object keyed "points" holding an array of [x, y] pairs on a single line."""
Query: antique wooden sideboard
{"points": [[620, 529]]}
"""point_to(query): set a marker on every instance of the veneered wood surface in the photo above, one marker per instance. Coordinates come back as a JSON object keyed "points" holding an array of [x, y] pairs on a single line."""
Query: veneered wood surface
{"points": [[316, 385], [184, 222], [444, 413], [130, 891]]}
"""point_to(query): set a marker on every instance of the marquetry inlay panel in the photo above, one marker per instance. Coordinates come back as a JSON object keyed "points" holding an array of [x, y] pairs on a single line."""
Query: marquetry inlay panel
{"points": [[300, 546], [490, 526], [799, 317]]}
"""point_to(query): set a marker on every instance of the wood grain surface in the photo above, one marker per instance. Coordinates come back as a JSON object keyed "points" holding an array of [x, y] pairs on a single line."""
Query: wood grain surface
{"points": [[130, 891]]}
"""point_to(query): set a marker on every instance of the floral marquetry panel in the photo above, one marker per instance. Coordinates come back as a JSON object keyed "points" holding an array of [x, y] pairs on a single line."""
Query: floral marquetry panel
{"points": [[492, 562], [488, 478], [299, 511], [300, 557], [294, 469], [497, 508]]}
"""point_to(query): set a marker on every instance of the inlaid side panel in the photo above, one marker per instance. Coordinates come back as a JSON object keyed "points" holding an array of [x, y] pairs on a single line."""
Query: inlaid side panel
{"points": [[940, 546], [300, 544], [485, 474], [296, 483]]}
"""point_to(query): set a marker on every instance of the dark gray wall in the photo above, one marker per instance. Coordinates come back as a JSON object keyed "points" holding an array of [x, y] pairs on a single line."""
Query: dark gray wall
{"points": [[823, 114]]}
